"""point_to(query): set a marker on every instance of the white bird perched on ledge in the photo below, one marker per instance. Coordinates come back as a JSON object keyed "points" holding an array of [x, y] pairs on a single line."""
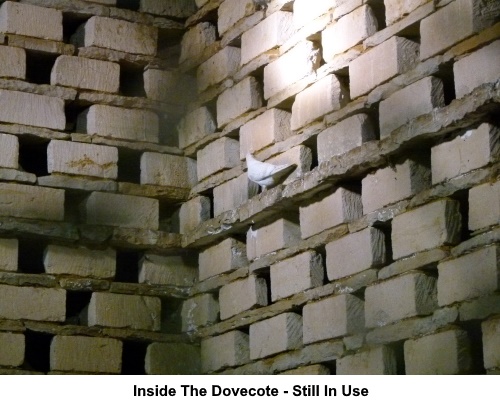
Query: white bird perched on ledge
{"points": [[266, 174]]}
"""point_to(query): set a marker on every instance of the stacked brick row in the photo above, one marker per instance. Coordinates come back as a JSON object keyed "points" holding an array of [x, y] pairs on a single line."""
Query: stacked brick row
{"points": [[379, 254], [92, 275]]}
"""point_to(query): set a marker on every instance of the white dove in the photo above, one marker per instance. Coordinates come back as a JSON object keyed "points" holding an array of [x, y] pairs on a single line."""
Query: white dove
{"points": [[266, 174]]}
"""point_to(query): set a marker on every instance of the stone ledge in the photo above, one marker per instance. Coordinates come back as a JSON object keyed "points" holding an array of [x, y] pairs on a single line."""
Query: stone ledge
{"points": [[64, 93]]}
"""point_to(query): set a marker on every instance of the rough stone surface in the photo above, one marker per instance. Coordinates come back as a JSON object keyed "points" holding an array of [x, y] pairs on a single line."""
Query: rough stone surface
{"points": [[196, 40], [227, 152], [8, 254], [172, 359], [195, 126], [484, 206], [162, 169], [221, 258], [242, 295], [193, 213], [232, 194], [12, 346], [376, 361], [199, 311], [227, 350], [9, 151], [278, 235], [169, 86], [491, 343], [223, 65], [12, 62], [179, 271]]}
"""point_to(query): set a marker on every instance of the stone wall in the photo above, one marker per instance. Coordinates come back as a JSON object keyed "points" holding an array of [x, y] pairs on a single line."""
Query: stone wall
{"points": [[132, 241]]}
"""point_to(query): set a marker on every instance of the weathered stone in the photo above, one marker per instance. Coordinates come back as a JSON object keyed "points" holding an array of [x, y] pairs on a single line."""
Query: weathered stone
{"points": [[491, 343], [196, 40], [380, 360], [484, 206], [172, 359], [222, 66], [12, 347], [226, 256], [179, 271], [227, 350], [193, 213], [8, 254], [195, 126], [162, 169], [233, 193], [198, 311], [12, 62], [226, 150], [242, 295]]}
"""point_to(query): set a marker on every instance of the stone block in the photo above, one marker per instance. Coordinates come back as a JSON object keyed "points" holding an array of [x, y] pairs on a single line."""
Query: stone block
{"points": [[299, 62], [33, 303], [178, 271], [278, 235], [333, 317], [392, 184], [9, 249], [31, 21], [266, 129], [196, 40], [169, 86], [12, 346], [121, 210], [337, 208], [429, 226], [227, 350], [405, 296], [344, 136], [315, 369], [232, 11], [242, 295], [381, 63], [80, 261], [193, 213], [195, 126], [198, 311], [86, 354], [233, 193], [119, 35], [404, 105], [32, 202], [376, 361], [354, 253], [491, 343], [227, 152], [275, 335], [270, 33], [347, 32], [172, 359], [469, 276], [300, 155], [172, 8], [222, 258], [223, 65], [305, 11], [82, 159], [396, 9], [326, 95], [484, 206], [446, 352], [240, 99], [9, 151], [120, 123], [472, 150], [296, 274], [12, 62], [161, 169], [32, 109], [124, 311], [86, 74], [476, 69]]}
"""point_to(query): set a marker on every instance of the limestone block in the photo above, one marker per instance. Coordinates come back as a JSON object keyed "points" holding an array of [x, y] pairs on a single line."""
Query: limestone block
{"points": [[275, 236], [9, 249], [296, 274], [124, 311], [326, 95], [227, 350], [86, 354], [223, 65], [242, 295], [381, 63], [87, 74], [344, 136], [397, 9], [305, 11], [31, 21], [195, 40], [12, 62], [266, 129], [198, 311], [238, 100], [347, 32], [82, 159], [161, 169], [172, 359], [121, 210], [233, 193], [195, 126], [377, 361], [484, 206], [121, 123], [12, 346], [472, 150], [176, 271], [232, 11], [224, 257], [9, 151], [171, 8], [432, 225], [33, 202], [33, 303], [442, 353], [120, 35], [80, 261], [491, 343], [300, 155], [32, 109], [354, 253], [193, 213], [275, 335], [333, 317], [393, 184], [316, 369], [410, 102], [201, 3], [226, 151], [169, 86], [337, 208], [469, 276]]}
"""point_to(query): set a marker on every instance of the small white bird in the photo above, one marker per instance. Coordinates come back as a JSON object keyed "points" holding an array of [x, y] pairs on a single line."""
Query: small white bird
{"points": [[267, 174]]}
